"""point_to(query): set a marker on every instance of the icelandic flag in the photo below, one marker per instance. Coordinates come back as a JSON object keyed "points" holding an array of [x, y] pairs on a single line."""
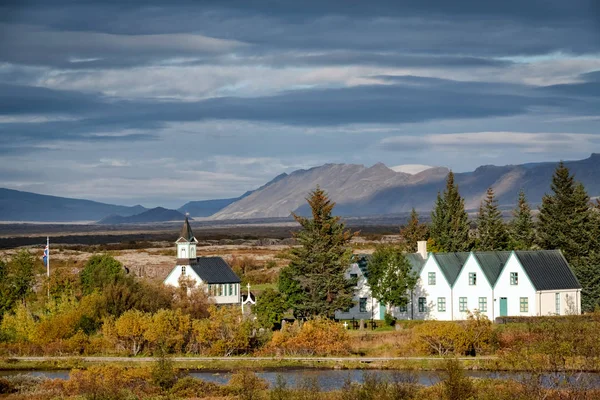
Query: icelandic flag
{"points": [[45, 257]]}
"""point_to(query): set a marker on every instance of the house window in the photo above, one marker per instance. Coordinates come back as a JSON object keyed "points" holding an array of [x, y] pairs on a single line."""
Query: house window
{"points": [[472, 278], [230, 289], [524, 303], [362, 304], [353, 276], [462, 304], [431, 278], [403, 308], [422, 304], [557, 302], [441, 304], [483, 304], [183, 270], [514, 278]]}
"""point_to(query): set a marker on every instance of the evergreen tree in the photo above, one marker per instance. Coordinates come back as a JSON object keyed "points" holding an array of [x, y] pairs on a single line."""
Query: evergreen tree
{"points": [[413, 232], [568, 222], [314, 282], [521, 227], [493, 234], [390, 276], [449, 221]]}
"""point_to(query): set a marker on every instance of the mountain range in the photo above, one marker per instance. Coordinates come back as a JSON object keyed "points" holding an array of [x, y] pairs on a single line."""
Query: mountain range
{"points": [[158, 214], [358, 191]]}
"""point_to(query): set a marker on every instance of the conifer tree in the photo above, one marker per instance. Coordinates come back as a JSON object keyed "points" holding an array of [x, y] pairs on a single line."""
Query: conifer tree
{"points": [[414, 231], [521, 227], [492, 231], [568, 222], [314, 282], [449, 221]]}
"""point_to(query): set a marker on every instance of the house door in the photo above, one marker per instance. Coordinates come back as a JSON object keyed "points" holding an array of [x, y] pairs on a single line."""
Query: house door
{"points": [[503, 307]]}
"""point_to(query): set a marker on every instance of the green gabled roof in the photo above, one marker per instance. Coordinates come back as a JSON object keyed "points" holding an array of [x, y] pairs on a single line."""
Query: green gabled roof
{"points": [[548, 270], [491, 262], [416, 262], [451, 264]]}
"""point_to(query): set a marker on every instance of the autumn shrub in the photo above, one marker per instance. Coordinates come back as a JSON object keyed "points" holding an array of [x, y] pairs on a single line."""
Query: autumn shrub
{"points": [[20, 383], [192, 387], [109, 382], [317, 337], [456, 386], [6, 387], [438, 337], [225, 333], [168, 330], [247, 385]]}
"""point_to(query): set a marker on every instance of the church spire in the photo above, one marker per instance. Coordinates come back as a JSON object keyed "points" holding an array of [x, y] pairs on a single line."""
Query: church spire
{"points": [[186, 231]]}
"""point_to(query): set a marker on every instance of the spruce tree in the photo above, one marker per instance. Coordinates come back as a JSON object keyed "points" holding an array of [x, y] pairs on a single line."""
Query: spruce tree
{"points": [[414, 231], [449, 220], [568, 222], [314, 282], [566, 219], [492, 231], [521, 227]]}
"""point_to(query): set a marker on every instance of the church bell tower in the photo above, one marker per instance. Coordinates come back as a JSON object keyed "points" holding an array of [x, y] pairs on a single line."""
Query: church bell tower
{"points": [[186, 245]]}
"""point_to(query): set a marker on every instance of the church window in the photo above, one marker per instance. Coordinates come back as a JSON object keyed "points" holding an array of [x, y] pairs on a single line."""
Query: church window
{"points": [[182, 269], [230, 289]]}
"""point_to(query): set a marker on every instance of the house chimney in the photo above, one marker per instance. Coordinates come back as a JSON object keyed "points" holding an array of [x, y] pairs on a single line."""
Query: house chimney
{"points": [[422, 248]]}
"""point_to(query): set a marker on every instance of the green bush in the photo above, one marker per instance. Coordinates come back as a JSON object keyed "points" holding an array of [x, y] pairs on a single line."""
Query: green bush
{"points": [[192, 387], [389, 319]]}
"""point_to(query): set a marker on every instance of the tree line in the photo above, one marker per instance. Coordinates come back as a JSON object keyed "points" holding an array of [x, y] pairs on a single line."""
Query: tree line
{"points": [[314, 282]]}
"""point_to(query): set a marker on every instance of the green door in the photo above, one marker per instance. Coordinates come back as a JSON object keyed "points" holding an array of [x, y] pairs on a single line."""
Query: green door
{"points": [[503, 307]]}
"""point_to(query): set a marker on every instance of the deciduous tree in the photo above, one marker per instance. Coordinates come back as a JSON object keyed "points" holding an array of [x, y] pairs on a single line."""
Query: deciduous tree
{"points": [[390, 276], [270, 308]]}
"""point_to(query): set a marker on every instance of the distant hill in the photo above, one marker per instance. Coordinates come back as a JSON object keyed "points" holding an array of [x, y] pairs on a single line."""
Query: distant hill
{"points": [[158, 214], [206, 208], [378, 190], [16, 205]]}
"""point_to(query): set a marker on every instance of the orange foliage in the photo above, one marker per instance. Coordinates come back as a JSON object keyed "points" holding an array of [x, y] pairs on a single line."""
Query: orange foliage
{"points": [[318, 337]]}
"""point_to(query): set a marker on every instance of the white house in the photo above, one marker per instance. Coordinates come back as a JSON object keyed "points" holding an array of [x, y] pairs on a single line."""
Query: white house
{"points": [[365, 305], [217, 277], [496, 283], [537, 283]]}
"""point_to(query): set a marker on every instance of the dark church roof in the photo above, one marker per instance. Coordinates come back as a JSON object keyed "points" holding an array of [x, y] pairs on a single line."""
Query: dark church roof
{"points": [[548, 270], [186, 231], [214, 270]]}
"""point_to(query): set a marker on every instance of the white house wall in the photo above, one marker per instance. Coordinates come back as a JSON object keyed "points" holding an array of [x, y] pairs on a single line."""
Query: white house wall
{"points": [[513, 293], [363, 290], [570, 302], [431, 293], [173, 277], [462, 288]]}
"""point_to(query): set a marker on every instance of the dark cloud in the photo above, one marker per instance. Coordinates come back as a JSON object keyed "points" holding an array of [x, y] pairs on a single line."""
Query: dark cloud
{"points": [[408, 100]]}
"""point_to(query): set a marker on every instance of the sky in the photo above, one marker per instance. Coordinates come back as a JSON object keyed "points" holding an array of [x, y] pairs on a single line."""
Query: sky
{"points": [[163, 102]]}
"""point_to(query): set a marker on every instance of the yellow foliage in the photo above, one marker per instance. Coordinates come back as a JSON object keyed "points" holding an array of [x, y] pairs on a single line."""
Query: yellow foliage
{"points": [[19, 326], [224, 333], [169, 329], [130, 328]]}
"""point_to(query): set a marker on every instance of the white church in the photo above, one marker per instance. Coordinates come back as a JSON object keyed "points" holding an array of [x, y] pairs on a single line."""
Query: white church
{"points": [[222, 284]]}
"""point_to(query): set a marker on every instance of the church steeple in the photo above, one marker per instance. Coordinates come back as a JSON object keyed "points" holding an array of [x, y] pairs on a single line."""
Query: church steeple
{"points": [[186, 244], [186, 231]]}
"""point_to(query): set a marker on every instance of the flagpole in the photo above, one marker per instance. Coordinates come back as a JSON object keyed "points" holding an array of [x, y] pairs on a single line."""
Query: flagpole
{"points": [[48, 256]]}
